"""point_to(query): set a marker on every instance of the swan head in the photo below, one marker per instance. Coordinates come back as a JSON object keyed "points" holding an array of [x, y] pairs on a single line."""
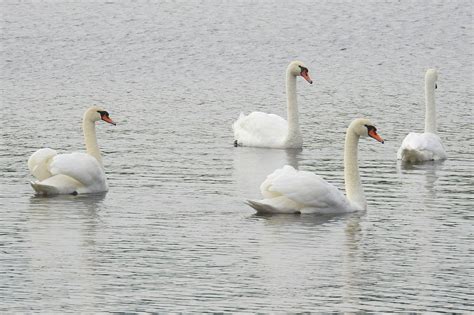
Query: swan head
{"points": [[431, 77], [297, 68], [96, 113], [365, 128]]}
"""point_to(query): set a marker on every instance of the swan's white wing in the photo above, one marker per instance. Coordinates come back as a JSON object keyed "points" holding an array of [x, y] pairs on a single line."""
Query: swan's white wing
{"points": [[260, 130], [287, 188], [83, 168], [58, 184], [38, 163], [421, 147]]}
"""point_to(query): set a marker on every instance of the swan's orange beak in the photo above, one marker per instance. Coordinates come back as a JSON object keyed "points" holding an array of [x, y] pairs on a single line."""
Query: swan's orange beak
{"points": [[305, 75], [107, 119], [373, 134]]}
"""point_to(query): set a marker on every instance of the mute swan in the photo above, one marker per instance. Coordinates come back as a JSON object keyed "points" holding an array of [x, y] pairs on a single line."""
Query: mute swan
{"points": [[287, 190], [72, 173], [269, 130], [427, 146]]}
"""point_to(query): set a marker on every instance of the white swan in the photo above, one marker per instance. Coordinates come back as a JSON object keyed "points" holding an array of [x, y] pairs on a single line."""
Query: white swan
{"points": [[287, 190], [269, 130], [73, 173], [427, 146]]}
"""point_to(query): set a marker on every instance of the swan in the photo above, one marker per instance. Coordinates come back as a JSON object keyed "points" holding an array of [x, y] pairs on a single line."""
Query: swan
{"points": [[72, 173], [427, 146], [269, 130], [288, 190]]}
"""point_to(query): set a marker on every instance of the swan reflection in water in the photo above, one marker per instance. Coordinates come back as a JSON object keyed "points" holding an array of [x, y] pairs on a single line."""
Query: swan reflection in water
{"points": [[307, 219], [326, 233], [284, 238], [429, 169], [85, 207], [88, 201], [63, 233], [252, 166]]}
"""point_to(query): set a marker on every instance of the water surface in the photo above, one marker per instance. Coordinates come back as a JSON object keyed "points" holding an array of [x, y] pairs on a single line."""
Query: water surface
{"points": [[173, 233]]}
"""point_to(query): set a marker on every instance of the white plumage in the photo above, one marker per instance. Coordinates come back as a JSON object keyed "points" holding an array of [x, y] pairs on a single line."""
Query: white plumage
{"points": [[260, 130], [417, 147], [75, 172], [288, 190]]}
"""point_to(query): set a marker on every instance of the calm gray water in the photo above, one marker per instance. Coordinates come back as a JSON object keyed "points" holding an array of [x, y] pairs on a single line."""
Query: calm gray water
{"points": [[173, 233]]}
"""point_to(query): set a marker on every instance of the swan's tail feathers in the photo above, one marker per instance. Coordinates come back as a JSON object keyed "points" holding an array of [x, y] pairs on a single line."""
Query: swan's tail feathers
{"points": [[262, 208], [45, 190], [58, 185]]}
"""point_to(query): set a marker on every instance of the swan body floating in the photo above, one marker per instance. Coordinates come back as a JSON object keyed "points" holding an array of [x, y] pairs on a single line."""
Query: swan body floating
{"points": [[72, 173], [288, 190], [269, 130], [427, 146]]}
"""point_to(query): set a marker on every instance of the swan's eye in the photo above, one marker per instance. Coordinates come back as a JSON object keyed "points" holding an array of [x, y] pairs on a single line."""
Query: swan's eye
{"points": [[103, 113], [303, 69], [371, 128]]}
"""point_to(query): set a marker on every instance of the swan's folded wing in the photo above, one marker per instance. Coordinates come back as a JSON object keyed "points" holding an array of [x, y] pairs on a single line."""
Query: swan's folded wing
{"points": [[303, 187], [259, 128], [38, 163], [81, 167]]}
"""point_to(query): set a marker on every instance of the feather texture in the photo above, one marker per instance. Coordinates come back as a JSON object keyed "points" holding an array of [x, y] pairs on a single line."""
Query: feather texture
{"points": [[260, 130]]}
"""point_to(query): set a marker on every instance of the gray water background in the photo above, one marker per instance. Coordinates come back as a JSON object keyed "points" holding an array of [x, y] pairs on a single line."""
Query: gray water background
{"points": [[173, 233]]}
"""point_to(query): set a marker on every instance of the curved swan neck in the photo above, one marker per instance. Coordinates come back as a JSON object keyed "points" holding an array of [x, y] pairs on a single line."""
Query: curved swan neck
{"points": [[430, 114], [88, 126], [294, 133], [354, 190]]}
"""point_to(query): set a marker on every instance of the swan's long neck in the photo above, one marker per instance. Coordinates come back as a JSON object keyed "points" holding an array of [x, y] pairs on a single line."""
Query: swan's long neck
{"points": [[91, 140], [354, 190], [430, 115], [294, 133]]}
